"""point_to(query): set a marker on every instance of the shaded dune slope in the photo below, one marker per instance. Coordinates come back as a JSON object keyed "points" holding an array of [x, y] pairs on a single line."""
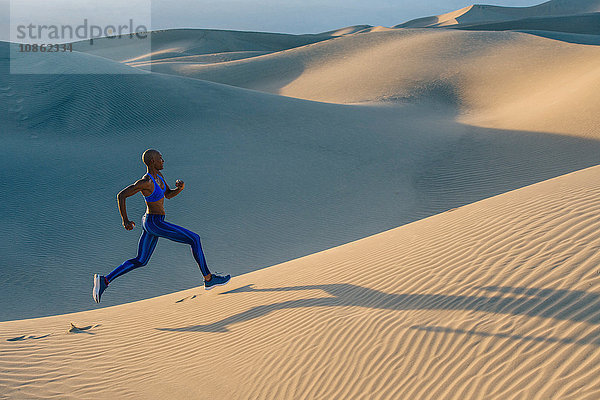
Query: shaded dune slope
{"points": [[173, 43], [585, 24], [339, 172]]}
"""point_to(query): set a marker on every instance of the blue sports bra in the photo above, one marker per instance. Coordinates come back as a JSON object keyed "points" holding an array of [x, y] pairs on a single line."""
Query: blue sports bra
{"points": [[158, 193]]}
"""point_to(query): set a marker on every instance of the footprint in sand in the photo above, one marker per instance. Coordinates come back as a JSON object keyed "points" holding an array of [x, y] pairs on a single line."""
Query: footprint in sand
{"points": [[25, 337], [76, 329], [72, 329], [185, 298]]}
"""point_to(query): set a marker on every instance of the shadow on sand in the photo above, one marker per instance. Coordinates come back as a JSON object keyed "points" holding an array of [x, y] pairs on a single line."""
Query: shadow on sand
{"points": [[576, 306]]}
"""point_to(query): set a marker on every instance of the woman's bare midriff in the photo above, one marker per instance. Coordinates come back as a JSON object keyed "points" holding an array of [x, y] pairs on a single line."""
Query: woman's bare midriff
{"points": [[156, 207]]}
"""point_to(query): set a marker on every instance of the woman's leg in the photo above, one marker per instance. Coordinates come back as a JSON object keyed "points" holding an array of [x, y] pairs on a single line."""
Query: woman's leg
{"points": [[159, 227], [146, 246]]}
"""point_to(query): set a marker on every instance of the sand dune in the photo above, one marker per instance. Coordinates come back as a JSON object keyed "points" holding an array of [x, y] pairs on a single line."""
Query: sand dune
{"points": [[342, 172], [199, 59], [503, 80], [481, 13], [192, 42], [587, 24], [426, 201], [445, 103], [496, 300], [347, 30]]}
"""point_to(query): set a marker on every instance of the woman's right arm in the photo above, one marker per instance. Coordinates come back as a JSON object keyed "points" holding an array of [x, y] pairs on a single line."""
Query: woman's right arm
{"points": [[125, 193]]}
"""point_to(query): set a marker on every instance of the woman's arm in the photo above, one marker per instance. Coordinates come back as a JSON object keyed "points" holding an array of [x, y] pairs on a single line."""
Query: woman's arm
{"points": [[128, 192], [170, 193]]}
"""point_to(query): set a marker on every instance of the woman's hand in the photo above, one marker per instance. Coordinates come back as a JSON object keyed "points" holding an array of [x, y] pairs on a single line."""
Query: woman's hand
{"points": [[128, 224]]}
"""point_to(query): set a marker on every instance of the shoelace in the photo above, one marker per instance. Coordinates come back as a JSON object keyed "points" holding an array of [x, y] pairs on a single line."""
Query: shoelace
{"points": [[215, 274]]}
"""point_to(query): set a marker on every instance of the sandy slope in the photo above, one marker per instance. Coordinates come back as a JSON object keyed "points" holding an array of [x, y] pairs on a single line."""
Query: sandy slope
{"points": [[504, 80], [498, 299], [192, 42], [480, 13]]}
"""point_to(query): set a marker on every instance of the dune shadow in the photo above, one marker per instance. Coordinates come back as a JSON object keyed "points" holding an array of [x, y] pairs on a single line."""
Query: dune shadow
{"points": [[569, 305], [574, 38], [578, 29]]}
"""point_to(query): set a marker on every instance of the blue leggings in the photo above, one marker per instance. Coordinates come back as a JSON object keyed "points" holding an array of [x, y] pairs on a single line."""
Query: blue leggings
{"points": [[153, 227]]}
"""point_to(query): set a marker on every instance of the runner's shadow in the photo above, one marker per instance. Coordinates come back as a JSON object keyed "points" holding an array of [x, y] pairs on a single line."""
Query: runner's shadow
{"points": [[577, 306], [591, 338]]}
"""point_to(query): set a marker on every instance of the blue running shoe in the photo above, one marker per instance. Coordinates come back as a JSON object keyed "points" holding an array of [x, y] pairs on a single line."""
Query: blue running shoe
{"points": [[216, 280], [100, 284]]}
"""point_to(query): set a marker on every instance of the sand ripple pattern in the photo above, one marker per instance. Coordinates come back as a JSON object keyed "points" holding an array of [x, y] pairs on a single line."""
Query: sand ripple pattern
{"points": [[499, 299]]}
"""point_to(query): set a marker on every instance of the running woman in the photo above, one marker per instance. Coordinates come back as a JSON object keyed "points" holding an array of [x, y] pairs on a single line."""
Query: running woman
{"points": [[154, 225]]}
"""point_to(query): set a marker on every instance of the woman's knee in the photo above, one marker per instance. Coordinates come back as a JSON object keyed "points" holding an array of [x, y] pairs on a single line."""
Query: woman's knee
{"points": [[139, 262], [196, 241], [195, 238]]}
